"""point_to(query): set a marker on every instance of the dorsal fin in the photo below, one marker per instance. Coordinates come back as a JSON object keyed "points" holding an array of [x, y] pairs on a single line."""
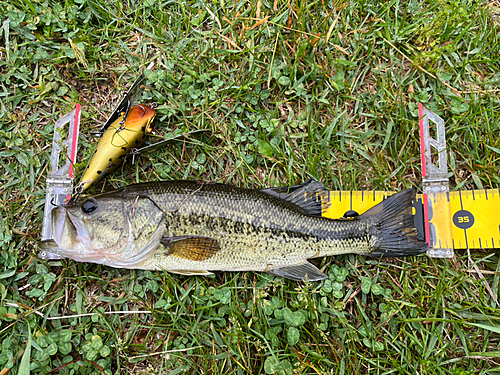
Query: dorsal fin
{"points": [[311, 196]]}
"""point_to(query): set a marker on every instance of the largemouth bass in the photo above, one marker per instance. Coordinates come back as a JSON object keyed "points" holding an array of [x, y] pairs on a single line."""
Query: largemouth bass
{"points": [[192, 228], [117, 142]]}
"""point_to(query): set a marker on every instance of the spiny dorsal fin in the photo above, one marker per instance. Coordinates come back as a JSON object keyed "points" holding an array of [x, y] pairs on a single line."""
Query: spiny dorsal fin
{"points": [[197, 248], [311, 196], [300, 272]]}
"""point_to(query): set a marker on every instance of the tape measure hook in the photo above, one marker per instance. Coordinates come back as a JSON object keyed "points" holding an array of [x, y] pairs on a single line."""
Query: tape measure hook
{"points": [[59, 183], [434, 174]]}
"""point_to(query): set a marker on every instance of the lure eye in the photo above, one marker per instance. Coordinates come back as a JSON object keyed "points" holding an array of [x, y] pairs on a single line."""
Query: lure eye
{"points": [[89, 206]]}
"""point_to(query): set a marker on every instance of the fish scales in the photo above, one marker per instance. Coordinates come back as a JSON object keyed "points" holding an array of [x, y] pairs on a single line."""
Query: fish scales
{"points": [[248, 239], [194, 228]]}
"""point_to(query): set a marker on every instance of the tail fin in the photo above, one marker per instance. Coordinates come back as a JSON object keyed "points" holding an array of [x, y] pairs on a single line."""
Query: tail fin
{"points": [[392, 228]]}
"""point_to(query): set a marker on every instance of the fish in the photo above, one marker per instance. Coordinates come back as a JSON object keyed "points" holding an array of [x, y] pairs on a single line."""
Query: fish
{"points": [[116, 142], [193, 228]]}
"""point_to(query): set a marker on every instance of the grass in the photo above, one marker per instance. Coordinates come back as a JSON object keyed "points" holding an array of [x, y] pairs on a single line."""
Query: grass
{"points": [[291, 90]]}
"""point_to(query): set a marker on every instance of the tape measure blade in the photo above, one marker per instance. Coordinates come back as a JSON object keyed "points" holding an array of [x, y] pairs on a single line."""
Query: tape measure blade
{"points": [[475, 219], [361, 201], [457, 220], [440, 231], [339, 204], [358, 201]]}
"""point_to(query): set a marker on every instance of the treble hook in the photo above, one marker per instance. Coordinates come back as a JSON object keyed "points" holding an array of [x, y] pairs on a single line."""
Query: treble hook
{"points": [[121, 124], [143, 109]]}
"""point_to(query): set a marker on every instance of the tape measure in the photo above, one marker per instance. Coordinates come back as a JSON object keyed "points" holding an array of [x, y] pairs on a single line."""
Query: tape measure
{"points": [[448, 220], [465, 219], [452, 221]]}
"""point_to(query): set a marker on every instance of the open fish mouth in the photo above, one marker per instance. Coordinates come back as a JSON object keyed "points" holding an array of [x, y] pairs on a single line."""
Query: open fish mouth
{"points": [[64, 226], [49, 248]]}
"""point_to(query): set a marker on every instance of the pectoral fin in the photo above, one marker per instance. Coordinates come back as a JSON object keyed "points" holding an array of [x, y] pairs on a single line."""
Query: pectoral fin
{"points": [[197, 248], [300, 272]]}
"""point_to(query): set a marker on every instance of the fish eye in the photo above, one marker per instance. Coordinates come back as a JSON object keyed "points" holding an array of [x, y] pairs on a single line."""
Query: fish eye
{"points": [[89, 206]]}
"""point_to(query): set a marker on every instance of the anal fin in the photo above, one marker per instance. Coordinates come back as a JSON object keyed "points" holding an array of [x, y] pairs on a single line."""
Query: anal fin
{"points": [[300, 272]]}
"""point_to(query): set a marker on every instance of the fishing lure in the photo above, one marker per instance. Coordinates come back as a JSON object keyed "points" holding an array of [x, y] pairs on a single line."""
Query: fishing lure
{"points": [[118, 141]]}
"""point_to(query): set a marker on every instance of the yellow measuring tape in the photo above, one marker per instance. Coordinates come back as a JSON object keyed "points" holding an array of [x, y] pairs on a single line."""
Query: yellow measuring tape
{"points": [[471, 222], [456, 220]]}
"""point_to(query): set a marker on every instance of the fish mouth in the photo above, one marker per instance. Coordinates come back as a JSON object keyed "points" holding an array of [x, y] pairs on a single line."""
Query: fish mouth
{"points": [[79, 230], [49, 249], [59, 225], [67, 233]]}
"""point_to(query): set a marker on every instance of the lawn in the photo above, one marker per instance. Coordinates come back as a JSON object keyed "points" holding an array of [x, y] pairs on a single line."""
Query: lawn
{"points": [[291, 90]]}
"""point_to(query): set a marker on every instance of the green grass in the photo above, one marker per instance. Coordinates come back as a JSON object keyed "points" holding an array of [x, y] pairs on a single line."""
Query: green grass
{"points": [[319, 89]]}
